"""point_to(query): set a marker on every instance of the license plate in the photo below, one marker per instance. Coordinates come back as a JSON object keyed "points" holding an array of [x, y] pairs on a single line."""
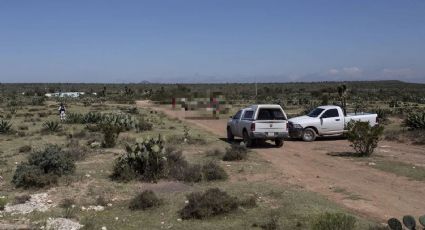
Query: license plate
{"points": [[270, 134]]}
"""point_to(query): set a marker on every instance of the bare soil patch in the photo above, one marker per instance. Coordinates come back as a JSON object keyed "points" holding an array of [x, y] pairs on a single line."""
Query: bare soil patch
{"points": [[379, 194]]}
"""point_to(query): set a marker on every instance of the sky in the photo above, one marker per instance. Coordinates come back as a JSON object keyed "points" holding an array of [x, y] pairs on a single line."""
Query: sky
{"points": [[197, 41]]}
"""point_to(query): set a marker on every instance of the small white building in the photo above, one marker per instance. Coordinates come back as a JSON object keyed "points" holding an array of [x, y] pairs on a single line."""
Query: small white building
{"points": [[65, 94]]}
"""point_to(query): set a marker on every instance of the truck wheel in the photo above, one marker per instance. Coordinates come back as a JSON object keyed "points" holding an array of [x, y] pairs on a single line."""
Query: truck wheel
{"points": [[230, 136], [246, 139], [278, 142], [309, 135]]}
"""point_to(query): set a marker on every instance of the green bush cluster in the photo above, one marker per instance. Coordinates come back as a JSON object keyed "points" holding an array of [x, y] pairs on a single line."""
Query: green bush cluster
{"points": [[149, 160], [235, 153], [364, 138], [145, 200], [209, 203], [415, 120], [43, 168], [333, 221]]}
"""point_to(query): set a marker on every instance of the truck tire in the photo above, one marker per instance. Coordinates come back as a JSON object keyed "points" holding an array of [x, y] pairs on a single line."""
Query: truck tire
{"points": [[278, 142], [309, 135], [230, 136], [246, 139]]}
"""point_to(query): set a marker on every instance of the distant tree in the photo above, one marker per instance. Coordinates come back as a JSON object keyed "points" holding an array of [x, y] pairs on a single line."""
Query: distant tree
{"points": [[342, 93]]}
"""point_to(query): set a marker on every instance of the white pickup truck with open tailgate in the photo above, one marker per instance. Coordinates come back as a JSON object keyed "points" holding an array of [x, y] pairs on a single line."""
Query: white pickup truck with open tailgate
{"points": [[258, 122]]}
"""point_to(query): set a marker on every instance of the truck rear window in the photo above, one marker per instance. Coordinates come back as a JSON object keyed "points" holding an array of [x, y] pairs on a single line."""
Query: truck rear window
{"points": [[270, 114], [248, 115]]}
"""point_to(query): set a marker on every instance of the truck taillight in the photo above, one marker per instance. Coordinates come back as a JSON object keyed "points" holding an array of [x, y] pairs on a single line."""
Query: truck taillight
{"points": [[253, 127]]}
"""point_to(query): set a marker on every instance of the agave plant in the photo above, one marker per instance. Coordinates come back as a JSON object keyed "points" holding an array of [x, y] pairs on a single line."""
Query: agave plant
{"points": [[74, 118], [91, 118], [52, 126], [5, 126], [415, 120]]}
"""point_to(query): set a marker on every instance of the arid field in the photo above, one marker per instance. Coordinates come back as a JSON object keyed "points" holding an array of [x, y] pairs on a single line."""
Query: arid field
{"points": [[124, 158]]}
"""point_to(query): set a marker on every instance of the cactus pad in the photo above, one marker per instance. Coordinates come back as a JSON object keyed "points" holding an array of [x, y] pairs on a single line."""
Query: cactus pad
{"points": [[394, 224], [409, 222]]}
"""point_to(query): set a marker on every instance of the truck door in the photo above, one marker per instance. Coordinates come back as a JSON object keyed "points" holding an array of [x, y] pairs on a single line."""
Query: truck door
{"points": [[331, 121], [234, 125]]}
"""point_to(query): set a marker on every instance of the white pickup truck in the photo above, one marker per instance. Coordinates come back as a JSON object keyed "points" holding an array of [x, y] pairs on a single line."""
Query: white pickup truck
{"points": [[258, 122], [324, 121]]}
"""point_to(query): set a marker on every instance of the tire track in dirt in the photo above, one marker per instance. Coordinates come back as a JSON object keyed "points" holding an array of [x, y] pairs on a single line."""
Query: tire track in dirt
{"points": [[367, 191]]}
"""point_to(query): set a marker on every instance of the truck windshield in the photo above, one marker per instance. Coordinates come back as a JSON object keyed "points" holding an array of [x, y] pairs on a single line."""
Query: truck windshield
{"points": [[270, 114], [315, 112]]}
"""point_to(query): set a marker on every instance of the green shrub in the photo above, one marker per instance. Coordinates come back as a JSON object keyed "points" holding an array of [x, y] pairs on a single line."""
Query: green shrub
{"points": [[144, 125], [145, 159], [272, 222], [235, 153], [24, 149], [91, 118], [193, 173], [110, 135], [249, 202], [76, 153], [364, 138], [29, 176], [176, 164], [214, 153], [52, 126], [74, 118], [145, 200], [43, 168], [3, 202], [210, 203], [5, 126], [415, 120], [213, 171], [38, 100], [52, 160], [333, 221]]}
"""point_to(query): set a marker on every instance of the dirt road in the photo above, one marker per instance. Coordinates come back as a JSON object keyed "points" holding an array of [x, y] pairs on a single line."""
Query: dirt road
{"points": [[367, 191]]}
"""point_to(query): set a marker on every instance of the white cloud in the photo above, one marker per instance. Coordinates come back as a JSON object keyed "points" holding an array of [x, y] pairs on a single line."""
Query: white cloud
{"points": [[352, 71], [333, 71]]}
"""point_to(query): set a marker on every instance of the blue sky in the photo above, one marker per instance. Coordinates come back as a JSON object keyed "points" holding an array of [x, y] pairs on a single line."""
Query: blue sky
{"points": [[211, 41]]}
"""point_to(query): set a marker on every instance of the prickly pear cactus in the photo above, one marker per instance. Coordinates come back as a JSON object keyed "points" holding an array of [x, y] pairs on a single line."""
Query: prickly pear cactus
{"points": [[395, 224], [422, 220], [146, 158], [409, 222]]}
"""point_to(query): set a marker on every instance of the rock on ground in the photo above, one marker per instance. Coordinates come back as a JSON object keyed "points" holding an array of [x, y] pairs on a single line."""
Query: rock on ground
{"points": [[62, 224], [37, 202]]}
